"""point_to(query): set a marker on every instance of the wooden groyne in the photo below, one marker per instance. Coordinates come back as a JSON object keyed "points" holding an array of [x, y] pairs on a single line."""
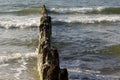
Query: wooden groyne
{"points": [[48, 57]]}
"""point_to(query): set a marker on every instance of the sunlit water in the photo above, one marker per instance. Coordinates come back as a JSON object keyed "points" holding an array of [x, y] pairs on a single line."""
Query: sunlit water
{"points": [[86, 33]]}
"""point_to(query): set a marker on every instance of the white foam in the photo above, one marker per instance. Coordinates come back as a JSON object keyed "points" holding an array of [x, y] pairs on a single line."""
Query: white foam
{"points": [[91, 74], [76, 9], [64, 10], [10, 21], [6, 58], [21, 62], [87, 18], [21, 68], [18, 21], [83, 71]]}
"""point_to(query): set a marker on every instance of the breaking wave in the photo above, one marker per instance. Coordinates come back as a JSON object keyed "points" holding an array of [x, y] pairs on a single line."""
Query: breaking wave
{"points": [[12, 21], [106, 11], [88, 19], [18, 22], [79, 10], [84, 15], [87, 10], [10, 57]]}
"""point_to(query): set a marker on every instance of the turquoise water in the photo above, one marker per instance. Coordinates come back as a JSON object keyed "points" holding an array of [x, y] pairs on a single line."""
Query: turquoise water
{"points": [[86, 33]]}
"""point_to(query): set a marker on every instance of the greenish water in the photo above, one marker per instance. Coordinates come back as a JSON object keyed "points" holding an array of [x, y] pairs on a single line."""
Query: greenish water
{"points": [[86, 33]]}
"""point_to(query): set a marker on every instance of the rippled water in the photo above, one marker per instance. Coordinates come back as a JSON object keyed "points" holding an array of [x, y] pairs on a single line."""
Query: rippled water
{"points": [[86, 33]]}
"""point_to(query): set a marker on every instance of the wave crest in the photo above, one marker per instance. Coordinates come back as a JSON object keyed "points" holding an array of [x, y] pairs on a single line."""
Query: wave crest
{"points": [[8, 22], [86, 19], [87, 10], [23, 12], [65, 10], [16, 56]]}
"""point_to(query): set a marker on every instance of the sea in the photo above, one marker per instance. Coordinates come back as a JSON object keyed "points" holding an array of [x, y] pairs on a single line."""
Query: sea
{"points": [[85, 32]]}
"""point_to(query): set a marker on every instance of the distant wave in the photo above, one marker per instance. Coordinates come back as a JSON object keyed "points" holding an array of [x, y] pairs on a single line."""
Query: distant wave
{"points": [[70, 10], [23, 12], [28, 11], [86, 10], [79, 21], [106, 11], [75, 10]]}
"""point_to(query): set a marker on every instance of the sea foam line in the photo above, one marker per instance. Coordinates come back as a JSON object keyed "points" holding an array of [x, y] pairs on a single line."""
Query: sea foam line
{"points": [[87, 10], [21, 68], [33, 21], [87, 18], [15, 56], [18, 21], [76, 9]]}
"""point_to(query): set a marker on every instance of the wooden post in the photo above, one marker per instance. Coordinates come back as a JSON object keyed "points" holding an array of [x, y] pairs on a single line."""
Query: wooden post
{"points": [[48, 58]]}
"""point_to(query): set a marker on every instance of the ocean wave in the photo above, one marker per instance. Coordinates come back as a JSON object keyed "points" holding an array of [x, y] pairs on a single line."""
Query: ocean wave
{"points": [[18, 42], [16, 56], [70, 10], [9, 22], [106, 11], [22, 12], [90, 75], [65, 10], [87, 19], [87, 10], [28, 11]]}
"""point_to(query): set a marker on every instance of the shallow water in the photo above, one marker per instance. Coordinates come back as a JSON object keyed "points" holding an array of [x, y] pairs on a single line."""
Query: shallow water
{"points": [[86, 33]]}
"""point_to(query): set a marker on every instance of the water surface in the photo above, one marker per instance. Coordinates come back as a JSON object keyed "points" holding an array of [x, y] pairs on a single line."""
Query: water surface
{"points": [[86, 33]]}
